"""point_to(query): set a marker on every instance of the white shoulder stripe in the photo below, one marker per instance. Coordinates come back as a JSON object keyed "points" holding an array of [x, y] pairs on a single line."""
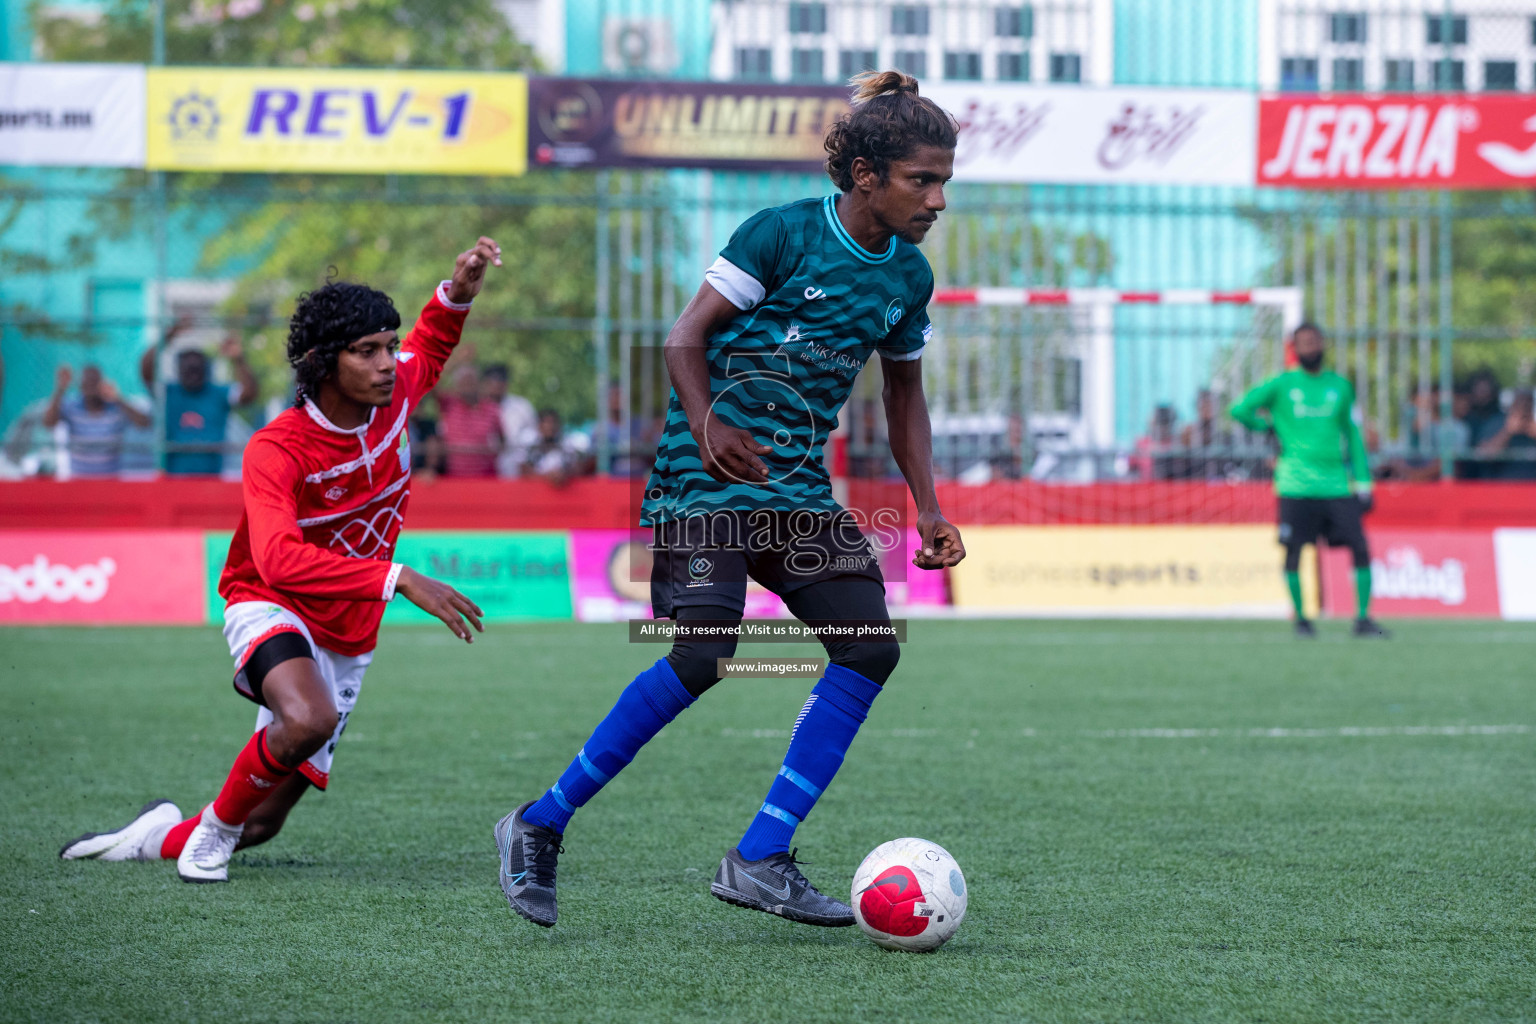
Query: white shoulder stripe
{"points": [[371, 457], [740, 288]]}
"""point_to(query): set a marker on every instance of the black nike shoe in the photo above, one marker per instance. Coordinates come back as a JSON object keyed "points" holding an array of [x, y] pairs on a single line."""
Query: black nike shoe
{"points": [[1304, 628], [775, 885], [528, 855], [1370, 627]]}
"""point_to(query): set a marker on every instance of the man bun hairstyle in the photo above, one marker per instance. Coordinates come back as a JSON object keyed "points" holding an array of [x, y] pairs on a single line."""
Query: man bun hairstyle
{"points": [[326, 321], [889, 120]]}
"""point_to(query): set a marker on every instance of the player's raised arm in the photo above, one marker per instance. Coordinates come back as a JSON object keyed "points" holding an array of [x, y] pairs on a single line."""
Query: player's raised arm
{"points": [[906, 416], [728, 453], [438, 329]]}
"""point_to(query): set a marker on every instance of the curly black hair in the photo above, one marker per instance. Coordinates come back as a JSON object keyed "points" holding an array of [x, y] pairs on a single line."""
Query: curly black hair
{"points": [[889, 120], [326, 321]]}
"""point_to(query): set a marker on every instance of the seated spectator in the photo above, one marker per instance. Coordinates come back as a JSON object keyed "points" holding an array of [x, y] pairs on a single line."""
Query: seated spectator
{"points": [[469, 425], [1427, 436], [96, 418], [197, 410], [556, 456], [1484, 417], [1515, 443], [519, 423]]}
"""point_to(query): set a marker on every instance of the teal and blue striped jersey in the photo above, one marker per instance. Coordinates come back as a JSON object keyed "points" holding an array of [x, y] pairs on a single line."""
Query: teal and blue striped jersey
{"points": [[815, 306]]}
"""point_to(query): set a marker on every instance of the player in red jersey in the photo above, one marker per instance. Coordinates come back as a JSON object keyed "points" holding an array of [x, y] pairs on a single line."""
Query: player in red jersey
{"points": [[310, 568]]}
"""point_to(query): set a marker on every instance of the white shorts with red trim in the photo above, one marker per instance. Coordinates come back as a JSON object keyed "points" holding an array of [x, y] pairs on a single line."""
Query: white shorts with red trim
{"points": [[248, 624]]}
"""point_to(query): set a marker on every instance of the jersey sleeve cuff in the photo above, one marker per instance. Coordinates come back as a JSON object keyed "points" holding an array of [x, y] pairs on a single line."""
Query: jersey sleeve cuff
{"points": [[442, 296], [740, 288], [904, 357], [391, 580]]}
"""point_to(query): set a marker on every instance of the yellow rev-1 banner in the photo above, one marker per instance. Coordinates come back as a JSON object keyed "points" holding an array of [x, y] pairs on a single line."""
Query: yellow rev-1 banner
{"points": [[337, 121], [1127, 570]]}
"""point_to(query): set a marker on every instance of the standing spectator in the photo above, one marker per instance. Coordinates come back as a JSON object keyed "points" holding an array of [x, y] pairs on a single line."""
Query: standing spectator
{"points": [[427, 457], [196, 410], [1514, 444], [470, 426], [96, 418], [1484, 418], [519, 423], [1151, 461], [556, 456]]}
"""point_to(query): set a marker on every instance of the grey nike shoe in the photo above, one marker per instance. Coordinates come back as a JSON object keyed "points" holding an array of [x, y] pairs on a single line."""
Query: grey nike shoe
{"points": [[528, 855], [775, 885]]}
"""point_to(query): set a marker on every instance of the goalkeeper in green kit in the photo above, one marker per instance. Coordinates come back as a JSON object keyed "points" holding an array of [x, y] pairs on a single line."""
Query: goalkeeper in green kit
{"points": [[1311, 411]]}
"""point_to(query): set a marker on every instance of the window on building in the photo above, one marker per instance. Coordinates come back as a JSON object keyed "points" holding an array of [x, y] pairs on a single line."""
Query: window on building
{"points": [[1016, 22], [1448, 75], [1346, 28], [808, 18], [1399, 76], [1066, 67], [1013, 67], [807, 66], [851, 62], [1348, 74], [1436, 26], [754, 63], [1298, 74], [909, 20], [962, 67], [913, 62], [1499, 76]]}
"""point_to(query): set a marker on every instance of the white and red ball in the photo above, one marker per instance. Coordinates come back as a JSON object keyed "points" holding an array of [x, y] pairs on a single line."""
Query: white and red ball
{"points": [[909, 894]]}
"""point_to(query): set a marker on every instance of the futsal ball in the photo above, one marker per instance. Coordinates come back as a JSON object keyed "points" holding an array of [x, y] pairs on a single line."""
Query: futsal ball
{"points": [[909, 894]]}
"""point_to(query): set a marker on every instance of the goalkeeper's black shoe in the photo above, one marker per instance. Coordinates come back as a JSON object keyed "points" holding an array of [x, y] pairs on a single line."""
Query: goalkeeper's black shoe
{"points": [[775, 885], [1304, 628], [1370, 627], [528, 856]]}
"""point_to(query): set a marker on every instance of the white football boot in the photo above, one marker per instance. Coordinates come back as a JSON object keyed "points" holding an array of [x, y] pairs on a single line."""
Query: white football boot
{"points": [[205, 858], [140, 839]]}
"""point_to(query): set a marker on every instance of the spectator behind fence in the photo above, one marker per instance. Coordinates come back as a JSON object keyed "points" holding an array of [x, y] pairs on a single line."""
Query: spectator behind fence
{"points": [[427, 457], [1514, 444], [519, 423], [1150, 462], [1428, 436], [1207, 444], [97, 418], [556, 456], [197, 410], [470, 426]]}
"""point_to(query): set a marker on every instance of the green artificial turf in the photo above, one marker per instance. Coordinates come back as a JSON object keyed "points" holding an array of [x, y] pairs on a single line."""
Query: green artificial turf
{"points": [[1137, 845]]}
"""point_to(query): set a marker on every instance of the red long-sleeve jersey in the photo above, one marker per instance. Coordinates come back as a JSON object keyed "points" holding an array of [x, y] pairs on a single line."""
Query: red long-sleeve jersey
{"points": [[324, 506]]}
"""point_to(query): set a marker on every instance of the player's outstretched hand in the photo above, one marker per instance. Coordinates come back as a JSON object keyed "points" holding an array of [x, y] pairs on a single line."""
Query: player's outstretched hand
{"points": [[942, 546], [731, 455], [469, 269], [436, 598]]}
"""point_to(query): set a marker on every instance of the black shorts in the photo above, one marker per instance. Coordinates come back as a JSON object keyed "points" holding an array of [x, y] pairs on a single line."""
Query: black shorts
{"points": [[707, 560], [1337, 521]]}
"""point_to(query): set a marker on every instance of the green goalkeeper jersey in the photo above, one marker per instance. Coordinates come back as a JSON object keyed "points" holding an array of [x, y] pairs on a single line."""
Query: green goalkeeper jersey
{"points": [[1313, 416]]}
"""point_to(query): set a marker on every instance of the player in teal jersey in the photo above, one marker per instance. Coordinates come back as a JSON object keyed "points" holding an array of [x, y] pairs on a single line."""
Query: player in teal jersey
{"points": [[761, 362], [1311, 412]]}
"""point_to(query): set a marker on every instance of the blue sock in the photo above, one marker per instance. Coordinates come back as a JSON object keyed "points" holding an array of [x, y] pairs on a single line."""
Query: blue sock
{"points": [[826, 726], [650, 702]]}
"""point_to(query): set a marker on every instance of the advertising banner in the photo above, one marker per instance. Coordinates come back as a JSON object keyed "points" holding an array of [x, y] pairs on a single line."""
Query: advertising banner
{"points": [[1423, 573], [577, 122], [1125, 570], [1410, 141], [72, 115], [1514, 551], [335, 121], [88, 577], [1073, 135]]}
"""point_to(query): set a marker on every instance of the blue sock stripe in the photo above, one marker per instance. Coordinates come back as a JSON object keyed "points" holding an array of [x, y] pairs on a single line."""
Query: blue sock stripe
{"points": [[591, 769], [780, 813], [560, 799], [800, 780]]}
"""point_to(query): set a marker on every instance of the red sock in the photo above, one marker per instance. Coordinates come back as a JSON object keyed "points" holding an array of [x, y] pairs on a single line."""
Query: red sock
{"points": [[176, 838], [255, 774]]}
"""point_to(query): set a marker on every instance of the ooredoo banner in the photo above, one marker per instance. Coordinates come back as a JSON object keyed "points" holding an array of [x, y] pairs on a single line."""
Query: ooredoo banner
{"points": [[1124, 570], [84, 577], [1419, 573], [72, 115], [1416, 141], [1079, 136], [336, 121]]}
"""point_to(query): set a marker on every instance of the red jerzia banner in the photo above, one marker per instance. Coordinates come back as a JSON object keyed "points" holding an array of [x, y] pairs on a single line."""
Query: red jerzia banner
{"points": [[1408, 141]]}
